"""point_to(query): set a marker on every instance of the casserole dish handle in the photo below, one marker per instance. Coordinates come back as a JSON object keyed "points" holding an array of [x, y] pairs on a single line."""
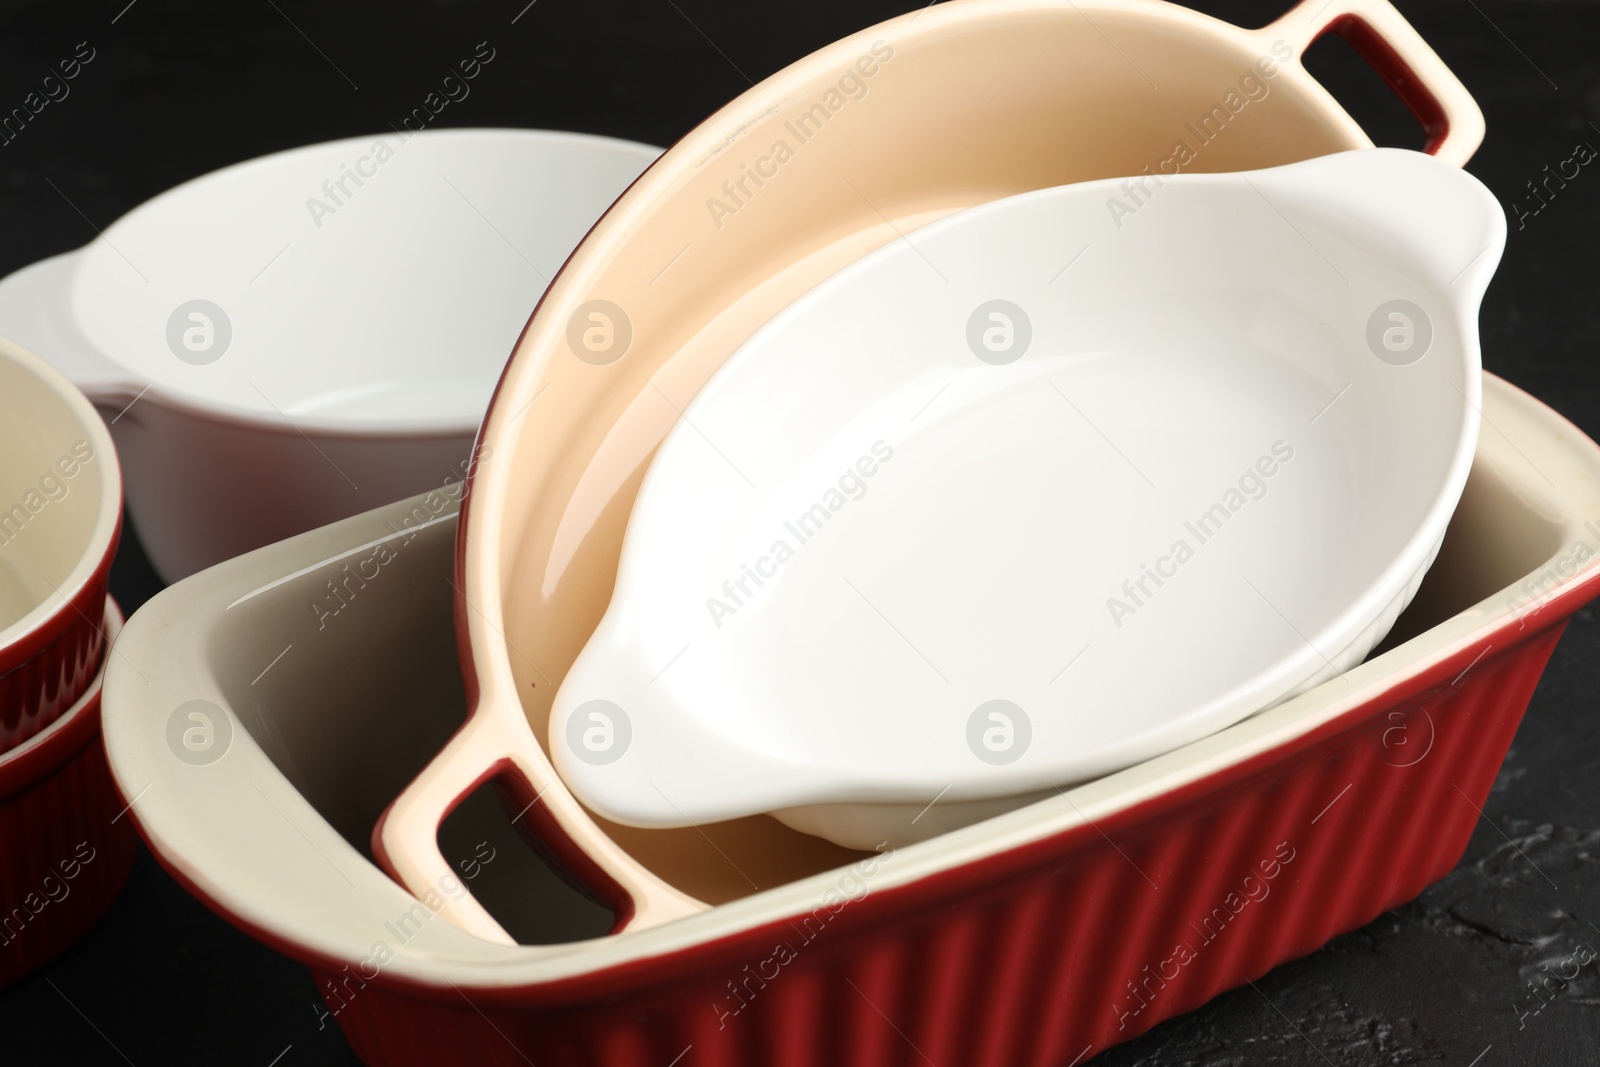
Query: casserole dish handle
{"points": [[1381, 35], [495, 745]]}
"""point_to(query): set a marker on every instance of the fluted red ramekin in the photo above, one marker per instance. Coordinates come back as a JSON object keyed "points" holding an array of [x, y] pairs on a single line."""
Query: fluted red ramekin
{"points": [[60, 518], [66, 842]]}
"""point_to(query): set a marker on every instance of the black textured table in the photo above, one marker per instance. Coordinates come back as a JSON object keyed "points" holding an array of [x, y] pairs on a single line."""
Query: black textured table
{"points": [[177, 89]]}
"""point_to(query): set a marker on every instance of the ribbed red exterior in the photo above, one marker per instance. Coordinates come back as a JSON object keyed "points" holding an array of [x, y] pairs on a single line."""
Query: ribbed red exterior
{"points": [[1046, 954], [35, 692], [58, 805]]}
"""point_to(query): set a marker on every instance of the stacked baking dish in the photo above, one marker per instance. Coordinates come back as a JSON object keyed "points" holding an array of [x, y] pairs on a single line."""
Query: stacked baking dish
{"points": [[1037, 936], [65, 854], [569, 435]]}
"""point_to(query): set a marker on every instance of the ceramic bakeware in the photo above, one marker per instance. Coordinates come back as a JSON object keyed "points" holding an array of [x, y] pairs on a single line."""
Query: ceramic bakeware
{"points": [[60, 516], [307, 335], [66, 844], [889, 561], [838, 154], [1033, 939]]}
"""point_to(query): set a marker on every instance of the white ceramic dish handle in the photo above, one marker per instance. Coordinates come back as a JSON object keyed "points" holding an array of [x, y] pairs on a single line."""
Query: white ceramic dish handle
{"points": [[34, 312], [1381, 35]]}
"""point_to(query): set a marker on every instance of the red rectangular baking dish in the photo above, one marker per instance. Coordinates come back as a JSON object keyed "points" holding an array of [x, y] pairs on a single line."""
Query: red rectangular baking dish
{"points": [[1039, 937]]}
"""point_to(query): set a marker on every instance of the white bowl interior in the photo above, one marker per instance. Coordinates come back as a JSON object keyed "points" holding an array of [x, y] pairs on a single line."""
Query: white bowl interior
{"points": [[366, 281]]}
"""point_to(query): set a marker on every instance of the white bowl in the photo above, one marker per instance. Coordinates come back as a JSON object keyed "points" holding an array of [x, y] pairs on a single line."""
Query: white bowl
{"points": [[307, 335], [882, 561]]}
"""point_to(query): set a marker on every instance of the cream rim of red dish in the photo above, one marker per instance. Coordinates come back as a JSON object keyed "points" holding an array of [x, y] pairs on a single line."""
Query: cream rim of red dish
{"points": [[96, 554], [267, 879]]}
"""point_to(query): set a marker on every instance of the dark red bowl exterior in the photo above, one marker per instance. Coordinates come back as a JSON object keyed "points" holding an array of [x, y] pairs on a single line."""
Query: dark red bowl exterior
{"points": [[47, 671], [66, 845]]}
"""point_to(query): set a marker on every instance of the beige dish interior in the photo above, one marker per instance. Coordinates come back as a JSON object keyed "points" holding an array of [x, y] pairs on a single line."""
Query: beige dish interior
{"points": [[58, 490], [966, 102]]}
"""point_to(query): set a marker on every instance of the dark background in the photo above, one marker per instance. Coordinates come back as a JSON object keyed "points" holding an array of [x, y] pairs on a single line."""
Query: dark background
{"points": [[178, 89]]}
